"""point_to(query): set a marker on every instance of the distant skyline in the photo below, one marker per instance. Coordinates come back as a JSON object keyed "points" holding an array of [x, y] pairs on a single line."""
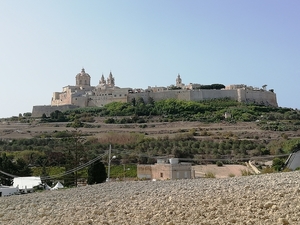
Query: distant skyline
{"points": [[44, 44]]}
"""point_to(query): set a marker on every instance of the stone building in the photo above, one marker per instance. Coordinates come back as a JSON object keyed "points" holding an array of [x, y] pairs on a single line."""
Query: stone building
{"points": [[82, 94], [164, 170]]}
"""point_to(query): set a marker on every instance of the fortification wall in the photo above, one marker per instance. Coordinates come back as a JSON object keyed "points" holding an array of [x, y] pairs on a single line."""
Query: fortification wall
{"points": [[39, 110], [157, 96], [80, 101], [184, 95], [102, 100], [241, 95], [198, 95], [99, 101], [261, 97]]}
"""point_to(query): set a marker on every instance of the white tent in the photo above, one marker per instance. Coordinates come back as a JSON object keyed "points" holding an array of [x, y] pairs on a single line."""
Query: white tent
{"points": [[58, 185], [26, 183], [47, 187]]}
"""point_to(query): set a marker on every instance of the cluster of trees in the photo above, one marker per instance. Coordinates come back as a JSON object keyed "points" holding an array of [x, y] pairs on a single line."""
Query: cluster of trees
{"points": [[212, 86], [15, 167], [68, 151], [56, 116]]}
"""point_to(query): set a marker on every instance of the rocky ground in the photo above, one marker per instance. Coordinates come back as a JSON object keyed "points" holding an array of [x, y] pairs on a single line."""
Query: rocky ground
{"points": [[258, 199]]}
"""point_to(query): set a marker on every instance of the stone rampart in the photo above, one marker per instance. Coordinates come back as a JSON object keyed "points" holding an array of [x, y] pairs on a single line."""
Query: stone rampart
{"points": [[241, 95], [39, 110], [198, 95]]}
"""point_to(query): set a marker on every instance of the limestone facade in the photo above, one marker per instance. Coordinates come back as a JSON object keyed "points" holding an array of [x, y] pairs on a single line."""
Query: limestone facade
{"points": [[163, 170], [84, 95]]}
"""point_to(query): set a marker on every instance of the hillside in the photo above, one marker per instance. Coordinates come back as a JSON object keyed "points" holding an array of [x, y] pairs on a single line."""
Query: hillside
{"points": [[240, 130], [201, 132]]}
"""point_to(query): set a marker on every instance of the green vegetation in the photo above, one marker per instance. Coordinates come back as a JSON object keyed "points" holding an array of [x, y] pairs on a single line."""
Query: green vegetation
{"points": [[209, 175], [96, 173], [212, 86], [219, 163], [278, 164], [137, 111], [46, 152], [17, 167], [121, 171]]}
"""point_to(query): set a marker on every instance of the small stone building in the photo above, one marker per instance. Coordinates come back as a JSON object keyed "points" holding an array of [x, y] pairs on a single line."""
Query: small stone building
{"points": [[166, 170]]}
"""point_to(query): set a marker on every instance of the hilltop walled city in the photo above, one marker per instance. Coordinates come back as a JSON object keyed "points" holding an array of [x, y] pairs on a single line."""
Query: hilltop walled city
{"points": [[84, 95]]}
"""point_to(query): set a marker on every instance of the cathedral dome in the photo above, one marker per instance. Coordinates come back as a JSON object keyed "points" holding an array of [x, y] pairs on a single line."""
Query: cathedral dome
{"points": [[83, 78], [83, 73]]}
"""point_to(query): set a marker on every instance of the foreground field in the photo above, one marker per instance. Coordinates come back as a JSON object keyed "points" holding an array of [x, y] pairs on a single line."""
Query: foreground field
{"points": [[261, 199]]}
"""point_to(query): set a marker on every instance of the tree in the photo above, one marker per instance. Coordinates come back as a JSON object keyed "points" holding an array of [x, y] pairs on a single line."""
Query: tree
{"points": [[57, 116], [44, 118], [133, 101], [96, 173], [140, 101], [7, 166], [151, 101], [278, 164], [19, 168]]}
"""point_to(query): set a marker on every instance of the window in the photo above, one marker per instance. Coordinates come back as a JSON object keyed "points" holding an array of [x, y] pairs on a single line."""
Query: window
{"points": [[161, 175]]}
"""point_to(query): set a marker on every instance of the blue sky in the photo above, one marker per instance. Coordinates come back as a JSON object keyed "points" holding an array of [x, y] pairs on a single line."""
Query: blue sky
{"points": [[44, 44]]}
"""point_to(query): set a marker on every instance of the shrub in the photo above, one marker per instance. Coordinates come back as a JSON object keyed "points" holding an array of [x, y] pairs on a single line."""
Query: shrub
{"points": [[278, 164], [268, 170], [209, 175], [109, 120], [219, 163]]}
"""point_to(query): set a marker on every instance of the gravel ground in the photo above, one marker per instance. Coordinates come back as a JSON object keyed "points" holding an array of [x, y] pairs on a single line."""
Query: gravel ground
{"points": [[260, 199]]}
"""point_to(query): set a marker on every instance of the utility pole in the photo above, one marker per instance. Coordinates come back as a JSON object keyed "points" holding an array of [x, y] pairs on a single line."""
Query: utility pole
{"points": [[108, 169], [124, 171], [109, 161]]}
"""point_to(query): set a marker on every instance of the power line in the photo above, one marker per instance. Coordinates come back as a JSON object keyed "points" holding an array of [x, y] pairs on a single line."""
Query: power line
{"points": [[75, 169], [8, 174], [65, 173]]}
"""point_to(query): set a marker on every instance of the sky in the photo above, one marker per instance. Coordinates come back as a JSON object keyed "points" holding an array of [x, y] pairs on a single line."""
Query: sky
{"points": [[44, 44]]}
